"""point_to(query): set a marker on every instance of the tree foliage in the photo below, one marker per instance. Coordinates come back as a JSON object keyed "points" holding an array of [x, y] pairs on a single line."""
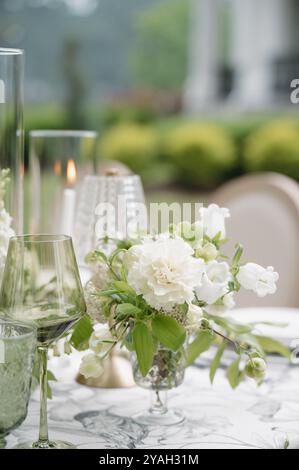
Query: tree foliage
{"points": [[161, 47]]}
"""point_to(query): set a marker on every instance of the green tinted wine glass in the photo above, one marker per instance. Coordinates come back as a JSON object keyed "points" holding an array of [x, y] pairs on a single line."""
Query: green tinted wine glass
{"points": [[41, 286], [17, 347]]}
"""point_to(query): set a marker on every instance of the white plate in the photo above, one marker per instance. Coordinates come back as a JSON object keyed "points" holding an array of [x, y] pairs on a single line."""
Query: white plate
{"points": [[286, 321]]}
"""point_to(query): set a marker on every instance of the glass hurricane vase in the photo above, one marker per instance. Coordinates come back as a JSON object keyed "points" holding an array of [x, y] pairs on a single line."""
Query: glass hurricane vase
{"points": [[166, 373], [11, 138]]}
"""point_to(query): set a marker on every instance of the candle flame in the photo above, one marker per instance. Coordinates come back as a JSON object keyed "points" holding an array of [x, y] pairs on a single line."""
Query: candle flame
{"points": [[57, 167], [71, 172]]}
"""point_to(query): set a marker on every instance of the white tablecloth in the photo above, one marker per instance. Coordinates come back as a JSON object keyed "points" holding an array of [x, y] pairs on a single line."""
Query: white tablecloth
{"points": [[216, 416]]}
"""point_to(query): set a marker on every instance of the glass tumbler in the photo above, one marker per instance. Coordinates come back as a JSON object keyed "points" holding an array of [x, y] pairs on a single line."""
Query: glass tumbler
{"points": [[17, 347]]}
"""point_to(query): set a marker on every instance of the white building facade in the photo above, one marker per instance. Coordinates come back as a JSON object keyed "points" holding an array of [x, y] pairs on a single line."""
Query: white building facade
{"points": [[262, 58]]}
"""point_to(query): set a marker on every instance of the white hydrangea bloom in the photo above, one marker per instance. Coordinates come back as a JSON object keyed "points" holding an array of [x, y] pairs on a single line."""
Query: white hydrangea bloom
{"points": [[164, 271]]}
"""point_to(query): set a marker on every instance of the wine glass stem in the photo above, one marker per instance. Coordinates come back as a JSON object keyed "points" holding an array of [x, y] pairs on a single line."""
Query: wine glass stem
{"points": [[43, 440], [159, 403]]}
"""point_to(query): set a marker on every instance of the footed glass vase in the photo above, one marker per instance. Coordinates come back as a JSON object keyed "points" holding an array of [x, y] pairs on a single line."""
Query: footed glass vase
{"points": [[166, 373]]}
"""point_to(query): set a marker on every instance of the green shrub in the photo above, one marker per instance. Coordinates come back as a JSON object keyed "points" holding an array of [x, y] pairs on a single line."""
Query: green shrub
{"points": [[203, 153], [274, 147], [114, 115], [134, 145]]}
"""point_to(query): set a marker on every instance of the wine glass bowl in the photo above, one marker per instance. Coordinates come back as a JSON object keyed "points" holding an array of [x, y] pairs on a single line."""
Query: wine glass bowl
{"points": [[41, 286], [17, 347]]}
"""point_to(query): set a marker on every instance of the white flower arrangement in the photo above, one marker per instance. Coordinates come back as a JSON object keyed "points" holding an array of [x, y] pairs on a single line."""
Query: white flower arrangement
{"points": [[159, 290], [6, 230]]}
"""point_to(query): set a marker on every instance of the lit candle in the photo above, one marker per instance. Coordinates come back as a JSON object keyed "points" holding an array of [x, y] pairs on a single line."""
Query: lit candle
{"points": [[69, 201]]}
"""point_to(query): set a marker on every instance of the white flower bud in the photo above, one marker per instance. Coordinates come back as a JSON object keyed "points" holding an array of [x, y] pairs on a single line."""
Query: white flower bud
{"points": [[91, 366]]}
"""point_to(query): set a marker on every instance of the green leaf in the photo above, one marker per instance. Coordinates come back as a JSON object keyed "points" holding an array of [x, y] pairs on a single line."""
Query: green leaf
{"points": [[201, 344], [81, 334], [115, 255], [143, 344], [124, 287], [233, 373], [216, 361], [184, 308], [51, 377], [128, 341], [168, 332], [49, 392], [128, 310], [95, 256], [230, 325], [237, 255], [270, 345]]}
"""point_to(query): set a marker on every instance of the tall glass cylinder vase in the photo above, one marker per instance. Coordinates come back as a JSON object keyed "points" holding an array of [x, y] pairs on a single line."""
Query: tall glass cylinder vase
{"points": [[59, 160], [11, 139]]}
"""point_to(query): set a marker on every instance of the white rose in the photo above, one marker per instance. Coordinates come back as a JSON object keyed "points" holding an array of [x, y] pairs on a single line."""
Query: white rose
{"points": [[194, 317], [214, 282], [101, 340], [164, 271], [260, 280], [213, 219], [91, 366]]}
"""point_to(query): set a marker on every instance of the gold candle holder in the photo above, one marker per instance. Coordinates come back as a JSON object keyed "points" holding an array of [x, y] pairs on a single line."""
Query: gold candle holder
{"points": [[117, 373]]}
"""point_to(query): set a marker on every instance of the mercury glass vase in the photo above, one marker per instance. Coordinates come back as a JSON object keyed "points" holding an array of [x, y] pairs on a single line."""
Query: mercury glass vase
{"points": [[12, 135], [17, 347], [166, 373], [110, 205]]}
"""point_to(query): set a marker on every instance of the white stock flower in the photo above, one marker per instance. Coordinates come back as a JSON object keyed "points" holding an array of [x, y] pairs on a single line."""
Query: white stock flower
{"points": [[101, 340], [213, 219], [91, 366], [5, 233], [194, 317], [164, 271], [221, 307], [214, 282], [229, 301], [260, 280]]}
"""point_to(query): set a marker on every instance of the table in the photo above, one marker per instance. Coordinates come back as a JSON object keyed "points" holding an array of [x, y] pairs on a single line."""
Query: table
{"points": [[216, 416]]}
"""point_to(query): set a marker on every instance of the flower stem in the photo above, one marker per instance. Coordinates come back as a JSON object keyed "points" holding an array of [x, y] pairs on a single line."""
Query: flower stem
{"points": [[158, 405]]}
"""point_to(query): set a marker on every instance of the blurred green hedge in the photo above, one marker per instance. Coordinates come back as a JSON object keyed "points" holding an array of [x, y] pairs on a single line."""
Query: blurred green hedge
{"points": [[176, 150], [274, 147], [204, 154]]}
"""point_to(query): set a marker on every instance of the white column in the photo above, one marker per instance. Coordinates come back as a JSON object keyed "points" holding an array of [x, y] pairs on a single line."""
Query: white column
{"points": [[261, 32], [202, 84]]}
